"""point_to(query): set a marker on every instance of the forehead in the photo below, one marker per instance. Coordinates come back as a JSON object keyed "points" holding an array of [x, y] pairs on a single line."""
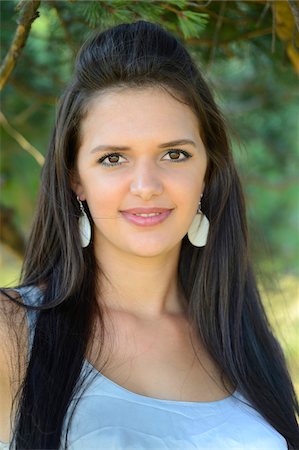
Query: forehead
{"points": [[133, 112]]}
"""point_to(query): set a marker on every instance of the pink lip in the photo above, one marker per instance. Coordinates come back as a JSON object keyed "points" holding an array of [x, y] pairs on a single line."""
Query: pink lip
{"points": [[146, 221]]}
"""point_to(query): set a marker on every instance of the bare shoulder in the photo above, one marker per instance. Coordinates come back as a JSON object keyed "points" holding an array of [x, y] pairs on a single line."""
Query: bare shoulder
{"points": [[13, 324], [13, 337], [15, 316], [10, 303]]}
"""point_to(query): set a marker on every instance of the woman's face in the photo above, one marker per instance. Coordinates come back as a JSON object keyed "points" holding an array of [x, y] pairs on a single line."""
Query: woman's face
{"points": [[140, 153]]}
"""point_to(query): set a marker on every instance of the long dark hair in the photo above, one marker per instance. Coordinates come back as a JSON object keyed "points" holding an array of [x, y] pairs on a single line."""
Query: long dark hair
{"points": [[223, 300]]}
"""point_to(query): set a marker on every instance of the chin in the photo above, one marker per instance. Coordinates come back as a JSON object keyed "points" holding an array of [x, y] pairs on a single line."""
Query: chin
{"points": [[146, 250]]}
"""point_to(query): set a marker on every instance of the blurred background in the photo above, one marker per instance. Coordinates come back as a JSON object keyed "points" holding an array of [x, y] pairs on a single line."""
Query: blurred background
{"points": [[248, 52]]}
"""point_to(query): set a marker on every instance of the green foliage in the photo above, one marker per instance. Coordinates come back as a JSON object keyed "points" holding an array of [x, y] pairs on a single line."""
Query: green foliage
{"points": [[192, 23], [174, 14], [106, 17]]}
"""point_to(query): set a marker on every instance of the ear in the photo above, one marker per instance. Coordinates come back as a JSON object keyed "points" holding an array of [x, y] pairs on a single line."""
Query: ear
{"points": [[76, 185]]}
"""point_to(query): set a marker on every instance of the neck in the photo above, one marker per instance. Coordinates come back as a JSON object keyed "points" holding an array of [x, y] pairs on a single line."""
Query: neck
{"points": [[142, 286]]}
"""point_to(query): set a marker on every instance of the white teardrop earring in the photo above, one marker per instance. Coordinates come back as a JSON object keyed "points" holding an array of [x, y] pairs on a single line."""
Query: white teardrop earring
{"points": [[84, 226], [199, 229]]}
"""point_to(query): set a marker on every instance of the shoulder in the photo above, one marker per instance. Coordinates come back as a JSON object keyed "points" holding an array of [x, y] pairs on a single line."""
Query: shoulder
{"points": [[16, 319], [13, 322], [15, 316], [12, 317], [11, 313], [13, 336]]}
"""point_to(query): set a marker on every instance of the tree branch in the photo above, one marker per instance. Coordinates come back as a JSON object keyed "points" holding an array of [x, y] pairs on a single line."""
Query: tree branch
{"points": [[263, 13], [28, 14], [244, 36], [216, 33], [273, 27], [21, 140], [295, 11]]}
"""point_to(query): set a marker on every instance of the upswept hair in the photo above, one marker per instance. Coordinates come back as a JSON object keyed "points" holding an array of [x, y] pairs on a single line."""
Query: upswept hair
{"points": [[223, 300]]}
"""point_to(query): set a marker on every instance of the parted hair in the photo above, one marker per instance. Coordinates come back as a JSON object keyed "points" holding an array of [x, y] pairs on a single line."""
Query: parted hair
{"points": [[223, 300]]}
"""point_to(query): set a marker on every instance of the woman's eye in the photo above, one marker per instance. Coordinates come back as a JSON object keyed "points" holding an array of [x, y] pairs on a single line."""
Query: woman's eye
{"points": [[112, 159], [177, 155]]}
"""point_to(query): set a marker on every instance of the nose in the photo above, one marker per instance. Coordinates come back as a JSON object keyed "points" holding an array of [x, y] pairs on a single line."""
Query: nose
{"points": [[146, 181]]}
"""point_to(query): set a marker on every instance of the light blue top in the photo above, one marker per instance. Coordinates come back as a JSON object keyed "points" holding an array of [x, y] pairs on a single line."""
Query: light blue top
{"points": [[110, 417]]}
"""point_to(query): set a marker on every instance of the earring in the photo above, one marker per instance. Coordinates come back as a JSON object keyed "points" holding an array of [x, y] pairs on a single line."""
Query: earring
{"points": [[199, 229], [84, 226]]}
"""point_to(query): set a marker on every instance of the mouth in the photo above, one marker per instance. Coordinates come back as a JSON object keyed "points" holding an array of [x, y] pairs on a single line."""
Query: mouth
{"points": [[146, 217]]}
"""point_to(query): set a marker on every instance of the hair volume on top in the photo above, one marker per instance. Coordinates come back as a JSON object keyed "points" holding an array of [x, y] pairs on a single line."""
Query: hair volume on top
{"points": [[223, 300]]}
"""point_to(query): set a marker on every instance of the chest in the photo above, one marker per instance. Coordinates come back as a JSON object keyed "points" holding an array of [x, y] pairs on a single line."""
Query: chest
{"points": [[161, 359]]}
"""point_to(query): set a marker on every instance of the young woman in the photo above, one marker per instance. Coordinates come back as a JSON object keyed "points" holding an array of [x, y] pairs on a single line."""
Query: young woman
{"points": [[138, 324]]}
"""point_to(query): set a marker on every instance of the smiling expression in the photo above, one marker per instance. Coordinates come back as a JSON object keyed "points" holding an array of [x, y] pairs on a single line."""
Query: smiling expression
{"points": [[140, 167]]}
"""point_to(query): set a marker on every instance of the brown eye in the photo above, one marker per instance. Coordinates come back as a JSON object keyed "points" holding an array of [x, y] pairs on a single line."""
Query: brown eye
{"points": [[177, 155], [113, 159], [174, 155]]}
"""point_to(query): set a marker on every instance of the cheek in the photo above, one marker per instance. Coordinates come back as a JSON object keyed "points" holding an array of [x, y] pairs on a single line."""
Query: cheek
{"points": [[189, 184], [103, 194]]}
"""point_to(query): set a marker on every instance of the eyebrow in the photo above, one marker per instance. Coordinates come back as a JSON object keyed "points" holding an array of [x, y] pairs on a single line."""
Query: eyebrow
{"points": [[123, 148]]}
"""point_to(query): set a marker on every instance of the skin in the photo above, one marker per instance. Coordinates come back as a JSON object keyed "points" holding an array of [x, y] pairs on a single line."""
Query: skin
{"points": [[134, 258]]}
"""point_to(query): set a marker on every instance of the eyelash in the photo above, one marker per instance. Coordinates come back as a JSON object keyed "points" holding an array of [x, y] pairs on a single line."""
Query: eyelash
{"points": [[177, 151]]}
